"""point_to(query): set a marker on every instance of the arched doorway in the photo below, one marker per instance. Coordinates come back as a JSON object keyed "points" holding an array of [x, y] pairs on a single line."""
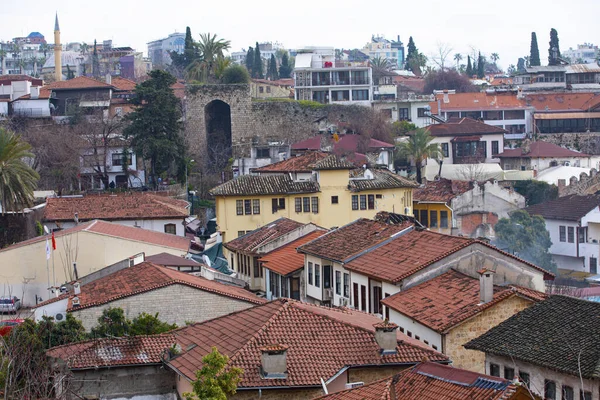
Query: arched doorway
{"points": [[217, 115]]}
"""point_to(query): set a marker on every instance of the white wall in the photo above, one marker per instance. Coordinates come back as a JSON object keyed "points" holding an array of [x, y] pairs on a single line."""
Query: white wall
{"points": [[558, 247], [416, 329], [311, 290], [32, 108], [539, 374], [486, 138], [337, 299], [362, 281], [50, 310], [3, 108], [157, 225]]}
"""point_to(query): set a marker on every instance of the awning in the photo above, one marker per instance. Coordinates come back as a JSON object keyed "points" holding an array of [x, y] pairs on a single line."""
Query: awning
{"points": [[467, 139], [567, 115], [303, 60]]}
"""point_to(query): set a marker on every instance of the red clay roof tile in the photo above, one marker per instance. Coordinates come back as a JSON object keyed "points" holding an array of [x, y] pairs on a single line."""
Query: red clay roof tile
{"points": [[443, 190], [285, 259], [251, 241], [294, 164], [349, 240], [449, 299], [115, 207], [463, 127], [145, 277], [81, 82], [432, 381], [321, 341], [541, 149]]}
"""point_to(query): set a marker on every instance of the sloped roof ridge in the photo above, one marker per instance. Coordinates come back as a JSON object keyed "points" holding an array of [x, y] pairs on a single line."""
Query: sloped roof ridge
{"points": [[377, 245], [285, 304], [338, 228]]}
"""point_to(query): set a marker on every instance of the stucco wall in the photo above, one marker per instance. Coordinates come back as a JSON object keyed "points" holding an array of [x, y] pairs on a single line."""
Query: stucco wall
{"points": [[23, 269], [175, 304], [157, 225], [473, 328], [538, 375]]}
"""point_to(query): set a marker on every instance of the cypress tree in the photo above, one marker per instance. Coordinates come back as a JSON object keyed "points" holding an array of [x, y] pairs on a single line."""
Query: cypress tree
{"points": [[554, 49], [95, 62], [480, 67], [411, 53], [258, 64], [189, 50], [250, 60], [521, 64], [273, 68], [534, 52], [284, 69], [469, 67]]}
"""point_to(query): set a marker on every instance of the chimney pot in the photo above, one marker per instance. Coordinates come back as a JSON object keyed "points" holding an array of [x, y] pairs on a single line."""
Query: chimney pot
{"points": [[486, 285], [274, 361], [385, 336]]}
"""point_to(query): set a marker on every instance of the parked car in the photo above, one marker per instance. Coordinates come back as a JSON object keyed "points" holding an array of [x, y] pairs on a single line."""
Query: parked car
{"points": [[10, 304], [7, 325]]}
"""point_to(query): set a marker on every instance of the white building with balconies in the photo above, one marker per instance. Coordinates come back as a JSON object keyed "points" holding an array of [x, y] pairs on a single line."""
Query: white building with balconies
{"points": [[319, 77]]}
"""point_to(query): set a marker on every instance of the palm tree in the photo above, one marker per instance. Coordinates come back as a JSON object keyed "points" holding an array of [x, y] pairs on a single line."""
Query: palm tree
{"points": [[495, 57], [211, 49], [381, 63], [419, 148], [220, 65], [458, 58], [44, 48], [84, 48], [17, 179]]}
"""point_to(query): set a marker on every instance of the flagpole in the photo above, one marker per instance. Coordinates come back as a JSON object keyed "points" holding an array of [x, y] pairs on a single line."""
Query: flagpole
{"points": [[48, 267], [53, 269]]}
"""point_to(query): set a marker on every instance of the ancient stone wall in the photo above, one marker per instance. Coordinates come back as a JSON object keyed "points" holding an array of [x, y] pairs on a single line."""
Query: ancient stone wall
{"points": [[256, 121]]}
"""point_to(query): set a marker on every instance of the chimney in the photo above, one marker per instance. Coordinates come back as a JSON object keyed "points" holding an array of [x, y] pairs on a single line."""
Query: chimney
{"points": [[35, 92], [77, 288], [446, 97], [486, 285], [274, 361], [385, 336], [109, 79]]}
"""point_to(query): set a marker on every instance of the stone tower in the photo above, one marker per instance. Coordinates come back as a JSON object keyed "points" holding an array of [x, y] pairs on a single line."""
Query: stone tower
{"points": [[57, 51]]}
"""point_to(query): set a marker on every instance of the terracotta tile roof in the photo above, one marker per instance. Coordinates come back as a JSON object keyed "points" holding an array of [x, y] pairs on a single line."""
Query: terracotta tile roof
{"points": [[447, 300], [553, 102], [332, 162], [170, 260], [251, 241], [81, 82], [351, 143], [382, 179], [566, 208], [478, 101], [432, 381], [44, 95], [248, 185], [145, 277], [349, 240], [541, 149], [560, 333], [407, 254], [443, 190], [7, 79], [115, 207], [122, 84], [109, 353], [321, 341], [118, 231], [463, 127], [294, 164], [313, 143], [285, 259]]}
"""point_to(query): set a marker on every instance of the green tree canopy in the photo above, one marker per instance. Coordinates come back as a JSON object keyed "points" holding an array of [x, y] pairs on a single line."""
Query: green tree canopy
{"points": [[17, 179], [155, 129], [536, 192], [250, 60], [285, 70], [448, 79], [272, 72], [419, 147], [534, 52], [215, 381], [257, 70], [113, 323], [480, 66], [411, 53], [554, 49], [235, 74], [469, 70], [526, 236]]}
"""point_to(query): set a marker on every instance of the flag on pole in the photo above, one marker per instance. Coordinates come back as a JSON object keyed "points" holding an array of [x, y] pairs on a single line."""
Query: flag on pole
{"points": [[47, 249], [53, 242]]}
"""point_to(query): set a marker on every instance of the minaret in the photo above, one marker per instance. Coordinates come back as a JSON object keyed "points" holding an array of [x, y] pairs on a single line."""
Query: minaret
{"points": [[57, 51]]}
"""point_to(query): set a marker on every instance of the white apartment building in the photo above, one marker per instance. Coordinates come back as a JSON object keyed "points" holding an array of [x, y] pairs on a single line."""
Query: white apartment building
{"points": [[585, 53], [158, 50], [319, 77]]}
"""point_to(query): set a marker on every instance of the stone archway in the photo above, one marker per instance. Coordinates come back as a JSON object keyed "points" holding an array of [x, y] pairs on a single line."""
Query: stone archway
{"points": [[217, 119]]}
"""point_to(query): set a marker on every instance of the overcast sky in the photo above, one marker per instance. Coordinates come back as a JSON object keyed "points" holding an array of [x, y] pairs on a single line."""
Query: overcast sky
{"points": [[502, 27]]}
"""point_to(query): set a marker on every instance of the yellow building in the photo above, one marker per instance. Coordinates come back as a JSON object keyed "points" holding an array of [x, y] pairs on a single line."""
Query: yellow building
{"points": [[329, 193]]}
